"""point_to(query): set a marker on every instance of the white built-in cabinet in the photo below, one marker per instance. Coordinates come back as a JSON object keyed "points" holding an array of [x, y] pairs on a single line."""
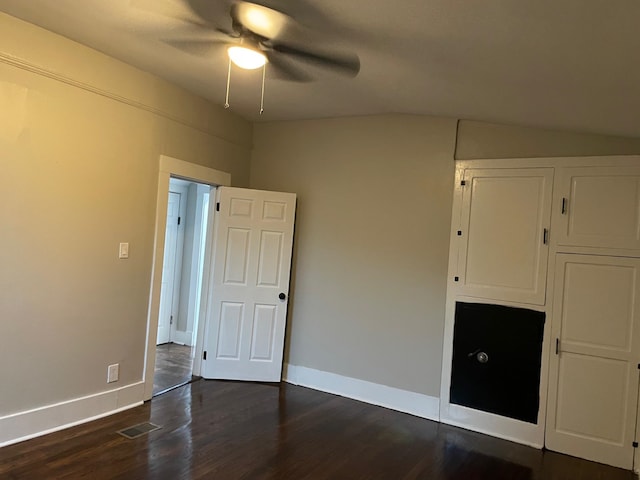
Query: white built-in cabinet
{"points": [[600, 207], [561, 236], [506, 215], [593, 382]]}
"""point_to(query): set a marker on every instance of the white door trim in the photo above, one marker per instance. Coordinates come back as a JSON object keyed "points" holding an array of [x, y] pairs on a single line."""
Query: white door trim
{"points": [[169, 166]]}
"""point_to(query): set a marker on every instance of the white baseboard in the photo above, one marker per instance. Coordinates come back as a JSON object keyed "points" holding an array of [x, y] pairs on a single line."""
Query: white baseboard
{"points": [[21, 426], [417, 404], [182, 338], [529, 434]]}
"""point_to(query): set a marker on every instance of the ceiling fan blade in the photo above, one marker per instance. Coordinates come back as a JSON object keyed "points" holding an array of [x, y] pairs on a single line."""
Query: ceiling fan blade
{"points": [[227, 32], [261, 20], [169, 9], [209, 11], [198, 31], [195, 23], [201, 48], [344, 63], [305, 12], [283, 69], [176, 10]]}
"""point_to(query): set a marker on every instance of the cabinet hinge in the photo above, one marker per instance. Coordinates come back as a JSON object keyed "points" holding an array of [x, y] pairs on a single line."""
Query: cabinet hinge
{"points": [[635, 444], [463, 182], [204, 355], [171, 320], [217, 206], [178, 220], [459, 233]]}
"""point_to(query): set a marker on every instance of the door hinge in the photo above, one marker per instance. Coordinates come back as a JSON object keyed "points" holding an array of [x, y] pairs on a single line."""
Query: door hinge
{"points": [[178, 220], [217, 206], [635, 444], [204, 355], [545, 236], [463, 182], [171, 320]]}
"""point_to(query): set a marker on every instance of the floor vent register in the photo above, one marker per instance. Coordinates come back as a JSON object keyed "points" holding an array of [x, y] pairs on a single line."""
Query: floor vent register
{"points": [[138, 430]]}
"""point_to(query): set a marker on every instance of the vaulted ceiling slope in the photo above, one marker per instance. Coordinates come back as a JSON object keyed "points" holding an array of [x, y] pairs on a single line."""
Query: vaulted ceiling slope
{"points": [[561, 64]]}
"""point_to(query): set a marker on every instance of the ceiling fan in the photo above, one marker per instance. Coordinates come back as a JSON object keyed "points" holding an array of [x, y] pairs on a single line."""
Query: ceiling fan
{"points": [[260, 34]]}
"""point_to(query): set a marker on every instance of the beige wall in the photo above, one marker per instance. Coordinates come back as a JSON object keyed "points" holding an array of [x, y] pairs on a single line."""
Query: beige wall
{"points": [[372, 230], [80, 136], [490, 140], [80, 139], [372, 235]]}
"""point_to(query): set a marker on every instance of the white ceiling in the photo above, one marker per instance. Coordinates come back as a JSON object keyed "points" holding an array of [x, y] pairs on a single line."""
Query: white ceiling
{"points": [[565, 64]]}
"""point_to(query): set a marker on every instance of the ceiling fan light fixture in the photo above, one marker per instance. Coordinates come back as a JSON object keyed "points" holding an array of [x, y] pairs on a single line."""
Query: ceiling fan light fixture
{"points": [[246, 58]]}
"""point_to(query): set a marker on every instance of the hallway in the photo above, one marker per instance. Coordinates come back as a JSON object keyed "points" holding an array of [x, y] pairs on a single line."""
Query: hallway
{"points": [[173, 366]]}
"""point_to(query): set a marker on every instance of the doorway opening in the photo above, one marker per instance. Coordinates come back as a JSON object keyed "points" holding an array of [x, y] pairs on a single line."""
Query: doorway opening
{"points": [[253, 238], [181, 286]]}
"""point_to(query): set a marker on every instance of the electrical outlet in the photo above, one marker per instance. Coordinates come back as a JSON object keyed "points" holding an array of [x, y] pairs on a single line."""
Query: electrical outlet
{"points": [[112, 373]]}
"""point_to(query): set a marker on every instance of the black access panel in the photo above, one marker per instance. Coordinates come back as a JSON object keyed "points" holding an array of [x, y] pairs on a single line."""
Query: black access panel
{"points": [[497, 354]]}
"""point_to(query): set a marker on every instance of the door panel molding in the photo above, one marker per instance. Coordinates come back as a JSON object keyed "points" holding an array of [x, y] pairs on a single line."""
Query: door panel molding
{"points": [[600, 207], [593, 377], [505, 219]]}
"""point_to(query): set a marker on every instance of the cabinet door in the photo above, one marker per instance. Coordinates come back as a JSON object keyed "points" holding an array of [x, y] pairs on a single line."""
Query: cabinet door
{"points": [[593, 377], [600, 207], [504, 224]]}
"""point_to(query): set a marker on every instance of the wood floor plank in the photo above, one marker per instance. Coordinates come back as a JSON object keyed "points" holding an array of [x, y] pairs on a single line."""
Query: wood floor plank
{"points": [[173, 366], [234, 430]]}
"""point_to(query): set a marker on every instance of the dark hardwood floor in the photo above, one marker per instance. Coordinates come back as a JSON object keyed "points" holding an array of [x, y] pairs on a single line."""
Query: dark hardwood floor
{"points": [[233, 430], [173, 366]]}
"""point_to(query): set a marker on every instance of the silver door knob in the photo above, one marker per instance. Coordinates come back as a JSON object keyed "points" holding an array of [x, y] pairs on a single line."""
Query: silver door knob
{"points": [[482, 357]]}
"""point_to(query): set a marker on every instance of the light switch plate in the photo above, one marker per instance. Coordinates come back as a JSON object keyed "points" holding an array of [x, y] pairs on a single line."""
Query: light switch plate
{"points": [[124, 250]]}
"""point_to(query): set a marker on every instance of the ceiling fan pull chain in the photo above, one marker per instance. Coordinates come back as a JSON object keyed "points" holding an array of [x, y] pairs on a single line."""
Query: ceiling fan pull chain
{"points": [[226, 99], [264, 71]]}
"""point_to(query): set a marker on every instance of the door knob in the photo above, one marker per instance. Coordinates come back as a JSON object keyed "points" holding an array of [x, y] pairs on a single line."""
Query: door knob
{"points": [[482, 357], [282, 296]]}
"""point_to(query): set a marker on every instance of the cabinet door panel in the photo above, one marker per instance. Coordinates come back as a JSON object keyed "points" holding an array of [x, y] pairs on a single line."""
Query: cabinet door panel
{"points": [[502, 253], [593, 379], [601, 207]]}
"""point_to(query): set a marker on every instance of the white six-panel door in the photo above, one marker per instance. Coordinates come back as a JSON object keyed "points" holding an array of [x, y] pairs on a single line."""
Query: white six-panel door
{"points": [[249, 290], [593, 379]]}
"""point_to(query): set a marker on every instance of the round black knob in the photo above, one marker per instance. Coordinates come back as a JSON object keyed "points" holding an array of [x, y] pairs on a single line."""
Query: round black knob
{"points": [[282, 296]]}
